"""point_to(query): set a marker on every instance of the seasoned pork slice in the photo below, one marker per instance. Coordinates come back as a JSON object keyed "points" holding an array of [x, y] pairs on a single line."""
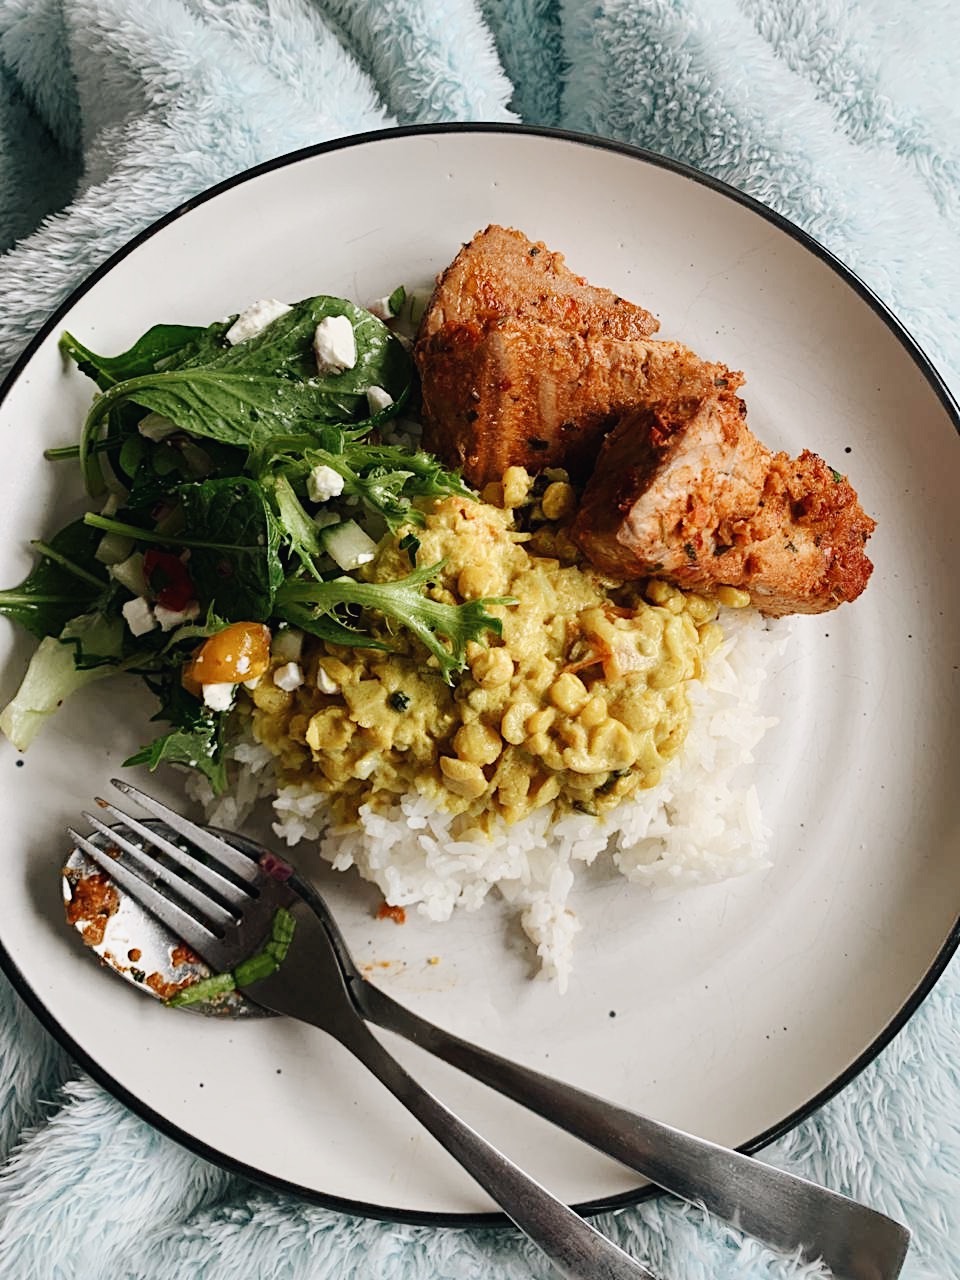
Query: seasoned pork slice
{"points": [[684, 490], [524, 363]]}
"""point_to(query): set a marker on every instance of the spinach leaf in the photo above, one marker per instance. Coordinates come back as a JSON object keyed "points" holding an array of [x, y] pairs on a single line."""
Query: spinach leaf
{"points": [[66, 581], [235, 540], [162, 347], [246, 394]]}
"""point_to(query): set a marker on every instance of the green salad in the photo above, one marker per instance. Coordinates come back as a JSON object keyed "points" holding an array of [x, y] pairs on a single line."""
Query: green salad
{"points": [[235, 476]]}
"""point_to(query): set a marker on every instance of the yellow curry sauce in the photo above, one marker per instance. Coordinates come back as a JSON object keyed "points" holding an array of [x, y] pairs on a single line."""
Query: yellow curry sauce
{"points": [[582, 700]]}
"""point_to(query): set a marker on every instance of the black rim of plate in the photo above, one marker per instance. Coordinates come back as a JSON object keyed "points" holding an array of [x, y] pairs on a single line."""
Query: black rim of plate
{"points": [[951, 943]]}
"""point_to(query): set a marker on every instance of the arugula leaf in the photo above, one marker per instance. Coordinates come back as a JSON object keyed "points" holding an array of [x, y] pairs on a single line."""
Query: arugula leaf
{"points": [[234, 562], [196, 738], [299, 530], [247, 393], [162, 347], [67, 580], [403, 601]]}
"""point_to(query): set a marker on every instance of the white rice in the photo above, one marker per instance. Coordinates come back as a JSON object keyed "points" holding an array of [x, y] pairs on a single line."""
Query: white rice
{"points": [[700, 825]]}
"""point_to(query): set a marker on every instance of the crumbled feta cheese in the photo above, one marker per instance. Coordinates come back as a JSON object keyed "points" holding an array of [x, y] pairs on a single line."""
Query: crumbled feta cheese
{"points": [[156, 427], [170, 618], [255, 319], [323, 483], [378, 399], [218, 696], [287, 644], [242, 665], [252, 684], [138, 615], [381, 308], [288, 677], [324, 682], [335, 344]]}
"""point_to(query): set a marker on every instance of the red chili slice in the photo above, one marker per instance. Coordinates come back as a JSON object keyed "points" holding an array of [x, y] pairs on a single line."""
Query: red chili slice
{"points": [[168, 578]]}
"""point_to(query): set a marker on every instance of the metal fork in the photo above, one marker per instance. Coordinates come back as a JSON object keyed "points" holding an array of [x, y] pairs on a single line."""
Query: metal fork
{"points": [[226, 909], [786, 1212]]}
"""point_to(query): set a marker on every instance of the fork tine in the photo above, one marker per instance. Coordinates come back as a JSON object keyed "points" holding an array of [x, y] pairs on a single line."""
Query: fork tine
{"points": [[204, 839], [178, 921], [217, 914], [226, 889]]}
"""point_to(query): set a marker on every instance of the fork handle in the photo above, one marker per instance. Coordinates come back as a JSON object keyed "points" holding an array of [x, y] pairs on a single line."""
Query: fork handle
{"points": [[576, 1249], [784, 1211]]}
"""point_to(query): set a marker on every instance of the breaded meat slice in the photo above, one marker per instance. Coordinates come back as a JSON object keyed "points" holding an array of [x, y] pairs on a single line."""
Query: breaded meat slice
{"points": [[523, 363], [684, 490]]}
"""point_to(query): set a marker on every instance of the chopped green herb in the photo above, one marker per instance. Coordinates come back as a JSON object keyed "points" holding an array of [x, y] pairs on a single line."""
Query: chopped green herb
{"points": [[254, 969]]}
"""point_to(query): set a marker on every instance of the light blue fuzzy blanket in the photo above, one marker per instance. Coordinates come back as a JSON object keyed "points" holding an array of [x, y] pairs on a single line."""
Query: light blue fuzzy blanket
{"points": [[844, 116]]}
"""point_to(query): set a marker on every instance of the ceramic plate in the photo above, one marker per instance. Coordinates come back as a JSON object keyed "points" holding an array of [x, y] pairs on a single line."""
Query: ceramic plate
{"points": [[730, 1010]]}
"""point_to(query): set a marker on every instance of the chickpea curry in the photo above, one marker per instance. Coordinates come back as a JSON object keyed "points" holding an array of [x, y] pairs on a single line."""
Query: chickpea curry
{"points": [[581, 700]]}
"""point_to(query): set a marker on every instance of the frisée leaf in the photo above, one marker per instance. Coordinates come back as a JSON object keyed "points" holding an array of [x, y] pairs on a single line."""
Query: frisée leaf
{"points": [[444, 629], [195, 740]]}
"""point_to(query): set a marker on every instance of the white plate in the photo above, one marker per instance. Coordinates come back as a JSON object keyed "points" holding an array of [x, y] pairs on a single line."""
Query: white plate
{"points": [[728, 1010]]}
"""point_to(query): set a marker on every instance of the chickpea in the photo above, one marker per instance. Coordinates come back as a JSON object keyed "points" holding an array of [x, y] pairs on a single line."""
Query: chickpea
{"points": [[462, 777], [548, 789], [541, 720], [559, 500], [572, 733], [492, 494], [513, 726], [594, 713], [516, 485], [568, 693], [271, 699], [477, 580], [492, 667], [733, 597], [477, 743], [237, 653], [538, 744], [658, 591], [329, 730], [612, 743], [700, 609]]}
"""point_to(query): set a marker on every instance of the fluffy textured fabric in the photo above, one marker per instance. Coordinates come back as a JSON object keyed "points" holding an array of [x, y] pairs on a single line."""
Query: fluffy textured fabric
{"points": [[841, 115]]}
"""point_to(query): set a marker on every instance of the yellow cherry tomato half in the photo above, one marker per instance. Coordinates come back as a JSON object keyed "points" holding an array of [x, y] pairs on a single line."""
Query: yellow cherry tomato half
{"points": [[237, 653]]}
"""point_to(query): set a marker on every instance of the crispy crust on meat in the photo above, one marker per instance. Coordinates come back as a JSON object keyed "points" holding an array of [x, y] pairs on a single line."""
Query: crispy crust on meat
{"points": [[684, 490], [522, 362]]}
